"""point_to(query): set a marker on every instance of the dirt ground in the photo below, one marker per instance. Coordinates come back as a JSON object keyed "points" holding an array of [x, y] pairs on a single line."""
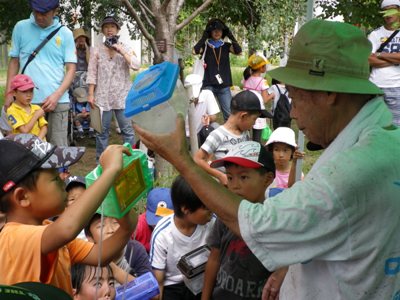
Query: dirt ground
{"points": [[88, 161]]}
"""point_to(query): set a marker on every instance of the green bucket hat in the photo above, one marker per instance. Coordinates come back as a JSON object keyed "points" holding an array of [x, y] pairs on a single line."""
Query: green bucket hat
{"points": [[328, 56]]}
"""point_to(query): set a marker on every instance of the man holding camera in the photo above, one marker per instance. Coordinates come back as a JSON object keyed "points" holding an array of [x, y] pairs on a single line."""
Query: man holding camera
{"points": [[109, 82], [47, 67], [217, 73]]}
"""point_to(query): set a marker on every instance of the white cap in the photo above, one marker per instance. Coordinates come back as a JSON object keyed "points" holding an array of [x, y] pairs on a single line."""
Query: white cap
{"points": [[386, 3], [193, 83], [282, 135]]}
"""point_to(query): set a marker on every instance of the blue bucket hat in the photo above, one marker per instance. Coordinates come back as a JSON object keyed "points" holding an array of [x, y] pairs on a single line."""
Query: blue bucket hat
{"points": [[44, 6]]}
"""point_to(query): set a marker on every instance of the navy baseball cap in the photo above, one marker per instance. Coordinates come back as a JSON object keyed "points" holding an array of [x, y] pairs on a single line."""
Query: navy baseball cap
{"points": [[159, 205], [43, 6], [73, 181], [249, 101], [24, 153]]}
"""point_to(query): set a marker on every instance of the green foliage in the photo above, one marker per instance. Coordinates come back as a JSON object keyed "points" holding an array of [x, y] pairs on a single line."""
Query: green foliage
{"points": [[2, 89], [362, 13], [12, 12]]}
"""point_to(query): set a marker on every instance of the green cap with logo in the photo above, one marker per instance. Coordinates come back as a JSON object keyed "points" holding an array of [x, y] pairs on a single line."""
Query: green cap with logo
{"points": [[329, 56]]}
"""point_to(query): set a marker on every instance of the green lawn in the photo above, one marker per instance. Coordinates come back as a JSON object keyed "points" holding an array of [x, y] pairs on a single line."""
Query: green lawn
{"points": [[2, 88]]}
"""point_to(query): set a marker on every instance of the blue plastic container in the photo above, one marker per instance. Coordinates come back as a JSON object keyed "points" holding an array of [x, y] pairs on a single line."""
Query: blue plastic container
{"points": [[141, 288], [151, 87]]}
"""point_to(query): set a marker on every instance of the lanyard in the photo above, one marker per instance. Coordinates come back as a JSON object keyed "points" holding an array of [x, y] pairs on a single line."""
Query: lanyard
{"points": [[219, 56]]}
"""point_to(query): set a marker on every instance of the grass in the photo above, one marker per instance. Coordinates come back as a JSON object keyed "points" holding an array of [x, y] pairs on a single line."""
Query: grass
{"points": [[3, 75]]}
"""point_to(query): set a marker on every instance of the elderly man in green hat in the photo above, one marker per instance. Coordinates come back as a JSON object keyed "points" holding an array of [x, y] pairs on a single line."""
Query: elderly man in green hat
{"points": [[338, 228]]}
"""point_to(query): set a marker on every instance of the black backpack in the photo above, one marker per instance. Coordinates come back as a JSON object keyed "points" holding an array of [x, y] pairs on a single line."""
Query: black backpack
{"points": [[282, 111]]}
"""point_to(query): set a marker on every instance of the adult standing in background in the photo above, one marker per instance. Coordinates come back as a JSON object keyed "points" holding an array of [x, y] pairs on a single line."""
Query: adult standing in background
{"points": [[385, 62], [47, 69], [217, 73], [109, 82], [82, 43]]}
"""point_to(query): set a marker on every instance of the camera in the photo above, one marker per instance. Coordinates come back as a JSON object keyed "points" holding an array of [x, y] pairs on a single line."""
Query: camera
{"points": [[111, 41]]}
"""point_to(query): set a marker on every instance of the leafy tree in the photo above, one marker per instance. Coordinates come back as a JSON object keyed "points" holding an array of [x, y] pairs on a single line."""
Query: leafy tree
{"points": [[362, 13], [11, 12]]}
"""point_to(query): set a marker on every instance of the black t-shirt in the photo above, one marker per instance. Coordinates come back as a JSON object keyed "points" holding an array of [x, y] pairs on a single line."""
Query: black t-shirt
{"points": [[241, 275], [211, 59]]}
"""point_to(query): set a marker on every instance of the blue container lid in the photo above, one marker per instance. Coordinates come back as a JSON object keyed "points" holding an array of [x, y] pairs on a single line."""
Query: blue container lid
{"points": [[142, 287], [151, 87]]}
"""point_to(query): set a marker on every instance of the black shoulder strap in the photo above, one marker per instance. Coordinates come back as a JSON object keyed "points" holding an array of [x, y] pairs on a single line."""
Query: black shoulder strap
{"points": [[279, 90], [38, 48], [383, 45]]}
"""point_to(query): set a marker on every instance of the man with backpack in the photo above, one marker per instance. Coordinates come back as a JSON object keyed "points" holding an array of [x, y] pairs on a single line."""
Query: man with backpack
{"points": [[46, 68]]}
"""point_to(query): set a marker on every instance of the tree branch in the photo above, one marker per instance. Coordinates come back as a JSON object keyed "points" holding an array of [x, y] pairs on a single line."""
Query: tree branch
{"points": [[179, 5], [164, 5], [144, 11], [141, 26], [189, 19], [144, 6]]}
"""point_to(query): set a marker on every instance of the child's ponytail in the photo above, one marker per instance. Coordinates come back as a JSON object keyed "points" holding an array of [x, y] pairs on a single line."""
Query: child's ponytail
{"points": [[247, 73]]}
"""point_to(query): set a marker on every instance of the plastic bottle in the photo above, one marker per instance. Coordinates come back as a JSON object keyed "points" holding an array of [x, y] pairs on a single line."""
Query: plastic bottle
{"points": [[156, 97], [162, 117]]}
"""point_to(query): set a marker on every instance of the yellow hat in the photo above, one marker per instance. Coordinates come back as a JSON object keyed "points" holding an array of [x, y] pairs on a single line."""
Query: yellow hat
{"points": [[256, 61]]}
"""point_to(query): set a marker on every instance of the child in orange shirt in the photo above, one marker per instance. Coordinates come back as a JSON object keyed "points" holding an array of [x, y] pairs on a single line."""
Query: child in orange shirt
{"points": [[31, 191]]}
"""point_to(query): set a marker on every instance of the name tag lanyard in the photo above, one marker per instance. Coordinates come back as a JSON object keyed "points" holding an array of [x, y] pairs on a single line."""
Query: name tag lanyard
{"points": [[217, 59]]}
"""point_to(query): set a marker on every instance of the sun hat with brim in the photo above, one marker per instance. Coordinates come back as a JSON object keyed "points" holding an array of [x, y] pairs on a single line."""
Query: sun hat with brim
{"points": [[256, 61], [25, 153], [248, 154], [44, 291], [8, 292], [81, 32], [110, 20], [193, 84], [328, 56], [80, 94]]}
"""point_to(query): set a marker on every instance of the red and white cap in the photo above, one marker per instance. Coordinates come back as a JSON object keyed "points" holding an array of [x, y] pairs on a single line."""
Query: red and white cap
{"points": [[248, 155]]}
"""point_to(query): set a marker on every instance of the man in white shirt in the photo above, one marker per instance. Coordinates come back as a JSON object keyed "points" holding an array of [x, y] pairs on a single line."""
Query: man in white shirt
{"points": [[385, 72]]}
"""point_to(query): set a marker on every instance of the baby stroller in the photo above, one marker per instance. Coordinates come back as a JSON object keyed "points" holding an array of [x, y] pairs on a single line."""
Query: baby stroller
{"points": [[79, 110]]}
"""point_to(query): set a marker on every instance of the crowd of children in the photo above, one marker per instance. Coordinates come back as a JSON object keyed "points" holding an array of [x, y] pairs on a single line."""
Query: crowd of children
{"points": [[87, 254]]}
